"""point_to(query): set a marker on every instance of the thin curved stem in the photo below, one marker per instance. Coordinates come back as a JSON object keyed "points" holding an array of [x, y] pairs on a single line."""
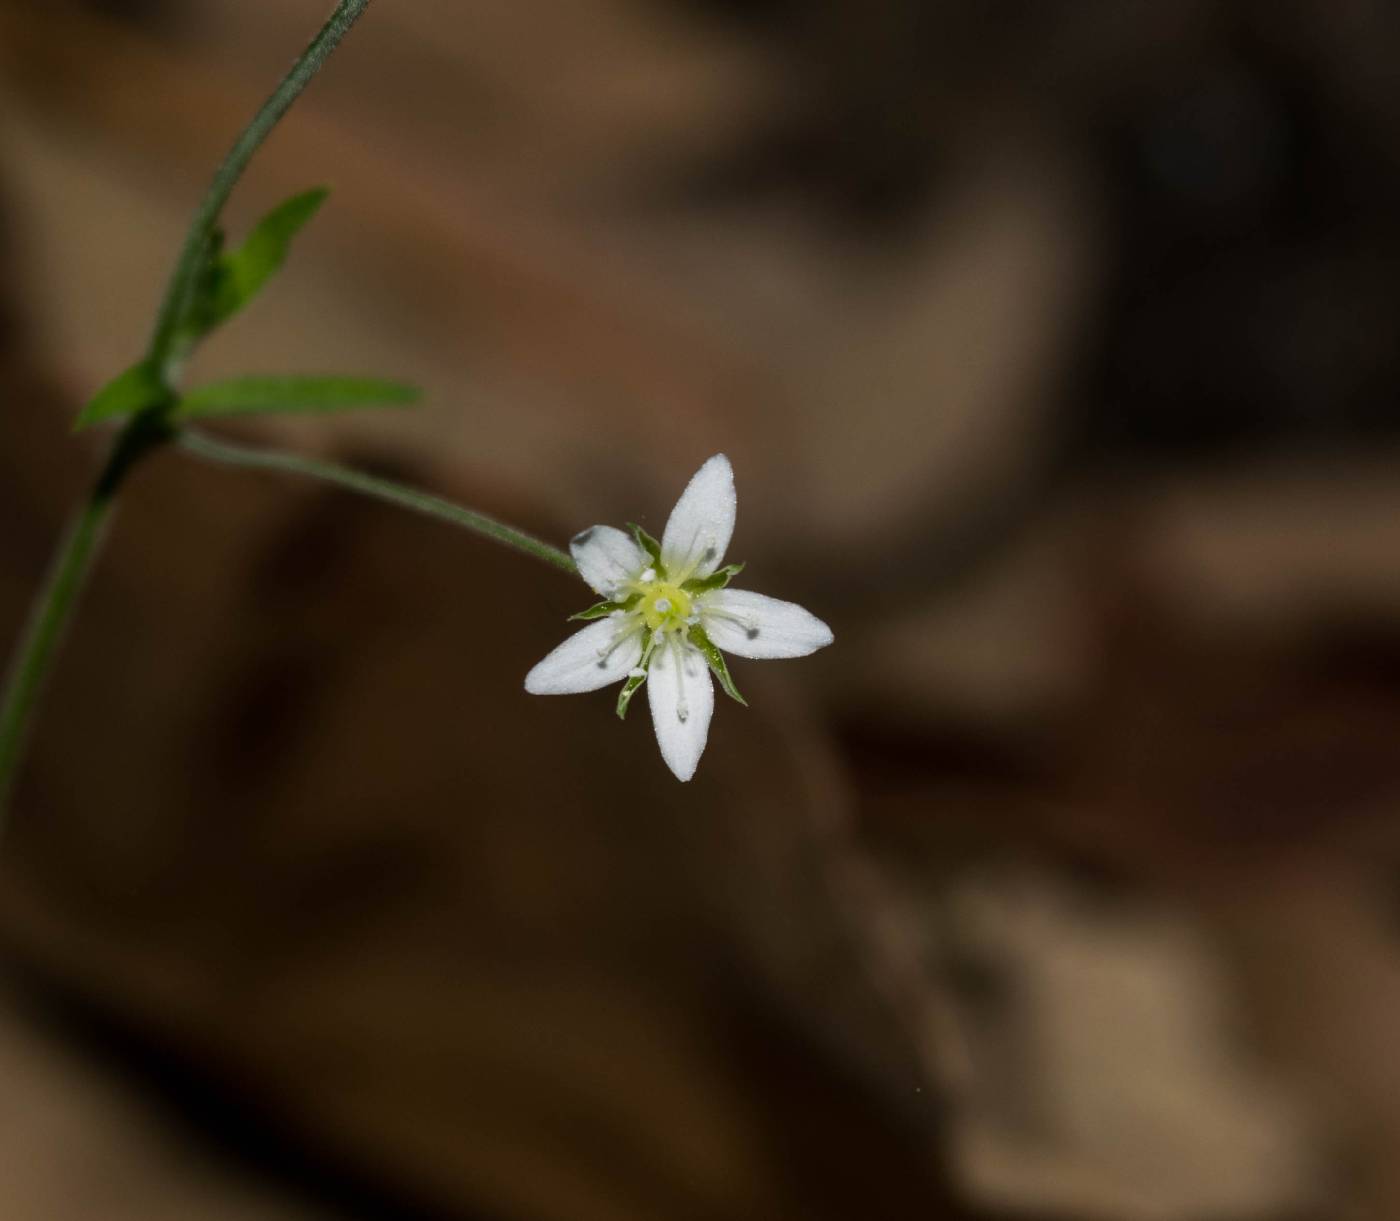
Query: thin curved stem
{"points": [[231, 454], [183, 278]]}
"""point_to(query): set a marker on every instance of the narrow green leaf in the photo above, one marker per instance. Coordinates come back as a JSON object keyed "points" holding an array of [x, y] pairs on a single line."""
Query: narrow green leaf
{"points": [[271, 395], [230, 280], [718, 666], [132, 391], [716, 580], [646, 543]]}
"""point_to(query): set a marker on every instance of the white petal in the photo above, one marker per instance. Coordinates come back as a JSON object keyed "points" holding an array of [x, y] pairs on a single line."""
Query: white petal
{"points": [[682, 699], [697, 534], [752, 625], [606, 557], [588, 659]]}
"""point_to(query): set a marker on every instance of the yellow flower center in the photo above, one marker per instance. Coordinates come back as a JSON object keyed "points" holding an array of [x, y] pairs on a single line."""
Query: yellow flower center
{"points": [[664, 607]]}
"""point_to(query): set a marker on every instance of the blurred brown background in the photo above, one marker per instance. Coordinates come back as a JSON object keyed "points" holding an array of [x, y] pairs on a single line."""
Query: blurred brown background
{"points": [[1055, 347]]}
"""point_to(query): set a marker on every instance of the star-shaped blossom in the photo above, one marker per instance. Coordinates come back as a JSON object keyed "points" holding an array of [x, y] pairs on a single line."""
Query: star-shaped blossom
{"points": [[667, 613]]}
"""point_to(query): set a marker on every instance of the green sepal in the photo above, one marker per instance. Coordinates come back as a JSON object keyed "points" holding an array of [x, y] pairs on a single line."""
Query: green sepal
{"points": [[647, 543], [634, 681], [129, 393], [718, 665], [601, 610], [597, 611], [716, 580], [624, 697], [293, 395], [231, 279]]}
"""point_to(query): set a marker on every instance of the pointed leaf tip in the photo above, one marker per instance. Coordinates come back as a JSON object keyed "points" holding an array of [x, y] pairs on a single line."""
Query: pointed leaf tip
{"points": [[233, 278]]}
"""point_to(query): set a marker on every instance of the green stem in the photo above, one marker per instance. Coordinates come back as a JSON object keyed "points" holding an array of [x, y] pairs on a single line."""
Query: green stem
{"points": [[381, 489], [162, 352], [54, 605], [57, 598]]}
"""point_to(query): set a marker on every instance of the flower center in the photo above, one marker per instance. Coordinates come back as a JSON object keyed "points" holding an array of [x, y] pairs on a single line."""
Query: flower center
{"points": [[664, 606]]}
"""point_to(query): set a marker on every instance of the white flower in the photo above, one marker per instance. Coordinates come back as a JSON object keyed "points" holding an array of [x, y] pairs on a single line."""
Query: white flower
{"points": [[667, 613]]}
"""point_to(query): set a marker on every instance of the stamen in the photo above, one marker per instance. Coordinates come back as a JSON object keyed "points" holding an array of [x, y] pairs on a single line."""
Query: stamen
{"points": [[750, 626], [619, 639], [682, 708]]}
